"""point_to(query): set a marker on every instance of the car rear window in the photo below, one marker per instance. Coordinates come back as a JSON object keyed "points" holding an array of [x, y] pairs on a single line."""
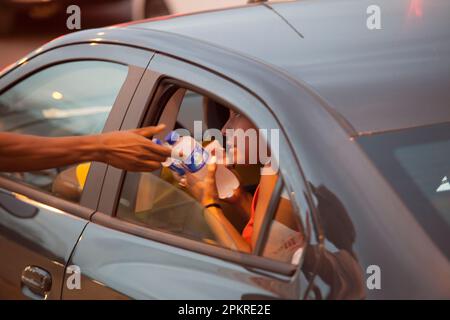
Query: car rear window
{"points": [[417, 164]]}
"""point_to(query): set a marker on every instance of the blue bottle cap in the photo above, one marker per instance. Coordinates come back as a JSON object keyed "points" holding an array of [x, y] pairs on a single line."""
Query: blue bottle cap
{"points": [[172, 137]]}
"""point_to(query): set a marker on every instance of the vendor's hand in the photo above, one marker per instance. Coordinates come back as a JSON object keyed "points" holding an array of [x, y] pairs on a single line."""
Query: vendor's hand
{"points": [[133, 150]]}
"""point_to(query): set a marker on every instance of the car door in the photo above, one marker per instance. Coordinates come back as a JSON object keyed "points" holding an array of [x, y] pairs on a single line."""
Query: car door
{"points": [[74, 90], [122, 257]]}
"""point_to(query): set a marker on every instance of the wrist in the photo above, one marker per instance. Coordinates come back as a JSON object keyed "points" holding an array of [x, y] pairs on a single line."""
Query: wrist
{"points": [[93, 148]]}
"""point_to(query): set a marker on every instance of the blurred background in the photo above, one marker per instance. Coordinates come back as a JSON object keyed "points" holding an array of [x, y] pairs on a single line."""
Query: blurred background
{"points": [[27, 24]]}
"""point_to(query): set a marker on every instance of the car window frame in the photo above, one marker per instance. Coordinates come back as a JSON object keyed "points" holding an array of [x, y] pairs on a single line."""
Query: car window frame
{"points": [[143, 107], [168, 87], [136, 60]]}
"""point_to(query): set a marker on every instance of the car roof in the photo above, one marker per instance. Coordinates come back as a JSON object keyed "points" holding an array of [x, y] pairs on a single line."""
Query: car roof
{"points": [[369, 81], [378, 80]]}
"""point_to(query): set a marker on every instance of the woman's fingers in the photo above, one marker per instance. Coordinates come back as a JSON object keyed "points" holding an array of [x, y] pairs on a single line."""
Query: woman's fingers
{"points": [[211, 169], [191, 179], [210, 189], [182, 182]]}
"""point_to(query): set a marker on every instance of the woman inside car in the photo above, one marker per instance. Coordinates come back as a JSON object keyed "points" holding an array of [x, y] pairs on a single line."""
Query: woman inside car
{"points": [[285, 239]]}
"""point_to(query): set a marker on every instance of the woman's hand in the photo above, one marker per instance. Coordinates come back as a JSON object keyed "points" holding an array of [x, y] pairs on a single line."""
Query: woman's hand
{"points": [[197, 187], [204, 190]]}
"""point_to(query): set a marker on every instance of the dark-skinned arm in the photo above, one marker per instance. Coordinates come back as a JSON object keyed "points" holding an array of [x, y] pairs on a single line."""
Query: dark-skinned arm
{"points": [[129, 150]]}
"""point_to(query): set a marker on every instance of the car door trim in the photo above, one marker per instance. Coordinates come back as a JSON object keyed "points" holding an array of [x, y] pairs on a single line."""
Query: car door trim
{"points": [[240, 258], [46, 198]]}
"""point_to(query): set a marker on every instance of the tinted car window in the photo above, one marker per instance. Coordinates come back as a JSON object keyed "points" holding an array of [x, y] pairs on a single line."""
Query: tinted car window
{"points": [[416, 163], [63, 100]]}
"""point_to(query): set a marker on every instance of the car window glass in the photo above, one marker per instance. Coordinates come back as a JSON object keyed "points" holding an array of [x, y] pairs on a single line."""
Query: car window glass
{"points": [[415, 162], [68, 99]]}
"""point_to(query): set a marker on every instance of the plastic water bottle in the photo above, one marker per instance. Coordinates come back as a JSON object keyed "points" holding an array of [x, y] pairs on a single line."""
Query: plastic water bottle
{"points": [[173, 164], [194, 158]]}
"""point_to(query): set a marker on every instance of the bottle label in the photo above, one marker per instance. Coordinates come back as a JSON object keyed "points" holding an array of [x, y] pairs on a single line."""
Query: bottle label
{"points": [[197, 159]]}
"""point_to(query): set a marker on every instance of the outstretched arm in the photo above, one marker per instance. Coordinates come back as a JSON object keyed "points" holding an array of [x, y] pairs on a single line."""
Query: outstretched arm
{"points": [[129, 150]]}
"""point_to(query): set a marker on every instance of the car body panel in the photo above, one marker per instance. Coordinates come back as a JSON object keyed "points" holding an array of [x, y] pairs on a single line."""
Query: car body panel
{"points": [[387, 79], [113, 261], [43, 238]]}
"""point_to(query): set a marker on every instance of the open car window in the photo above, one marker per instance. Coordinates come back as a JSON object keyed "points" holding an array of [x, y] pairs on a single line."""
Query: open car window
{"points": [[162, 201]]}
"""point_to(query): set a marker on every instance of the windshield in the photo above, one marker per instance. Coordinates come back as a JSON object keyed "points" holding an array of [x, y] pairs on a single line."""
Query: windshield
{"points": [[417, 164]]}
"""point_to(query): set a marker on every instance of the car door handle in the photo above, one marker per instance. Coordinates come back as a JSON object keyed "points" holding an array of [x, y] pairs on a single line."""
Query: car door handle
{"points": [[36, 282], [17, 208]]}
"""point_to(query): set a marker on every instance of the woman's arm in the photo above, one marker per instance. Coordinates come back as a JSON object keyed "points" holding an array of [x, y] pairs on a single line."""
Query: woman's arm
{"points": [[225, 232], [129, 150]]}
